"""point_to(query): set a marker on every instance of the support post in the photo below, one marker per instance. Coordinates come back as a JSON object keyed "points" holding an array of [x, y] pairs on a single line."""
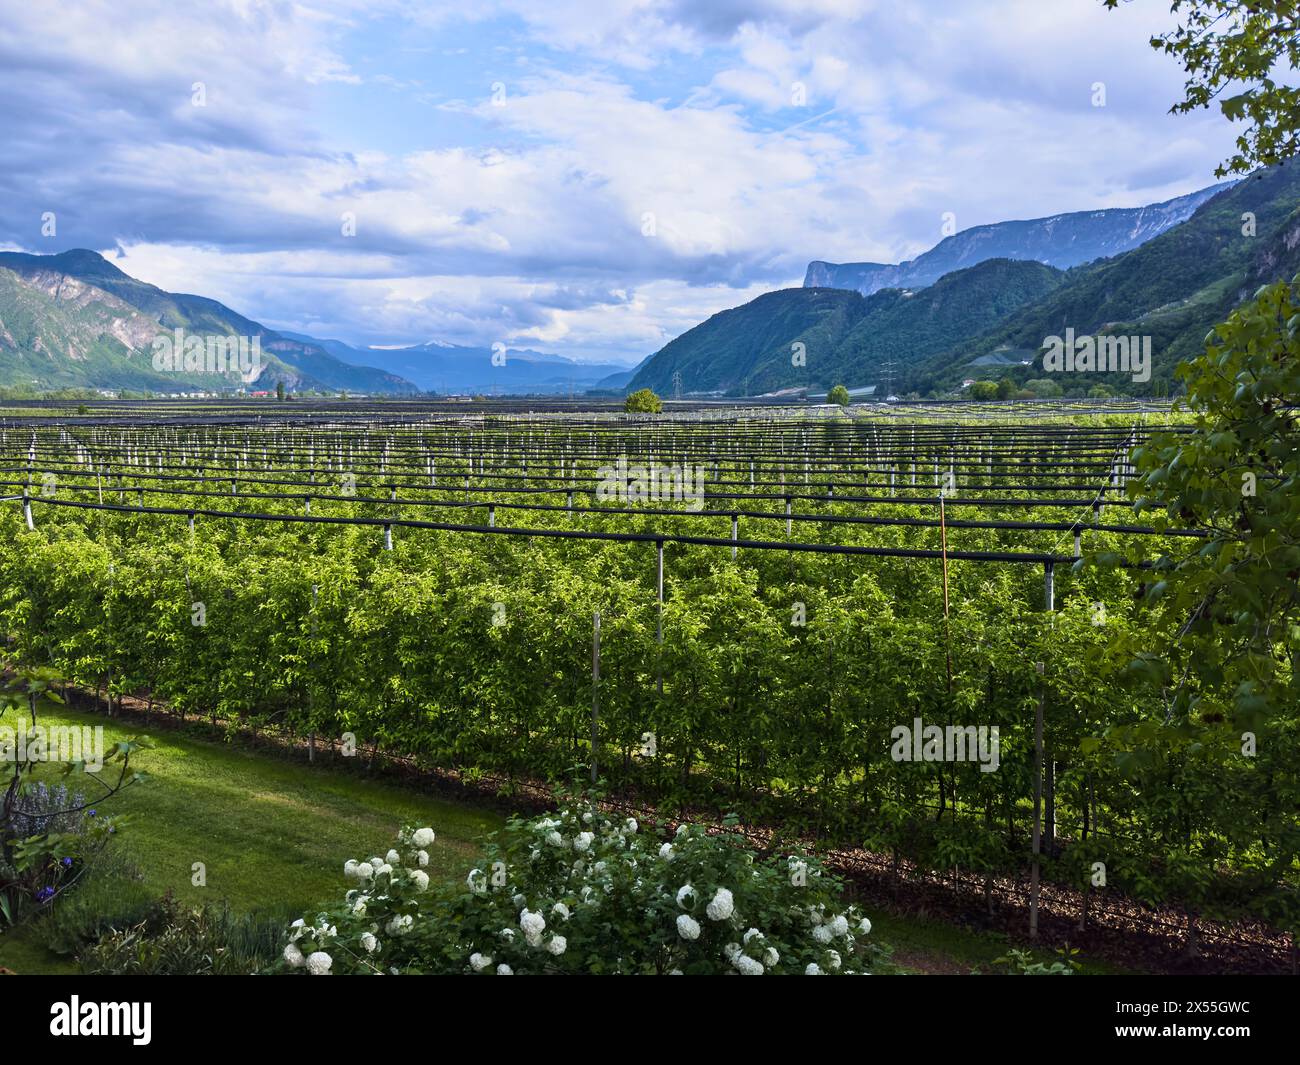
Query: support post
{"points": [[659, 617], [595, 689]]}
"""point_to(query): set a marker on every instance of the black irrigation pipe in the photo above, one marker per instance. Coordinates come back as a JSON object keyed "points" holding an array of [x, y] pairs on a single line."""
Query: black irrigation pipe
{"points": [[623, 537], [575, 484], [831, 519], [582, 534]]}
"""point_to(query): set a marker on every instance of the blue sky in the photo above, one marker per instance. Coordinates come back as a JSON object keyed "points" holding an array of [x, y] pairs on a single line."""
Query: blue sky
{"points": [[590, 177]]}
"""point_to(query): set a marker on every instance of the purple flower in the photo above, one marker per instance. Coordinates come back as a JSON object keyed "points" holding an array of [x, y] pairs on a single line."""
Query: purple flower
{"points": [[44, 894], [67, 862], [92, 813]]}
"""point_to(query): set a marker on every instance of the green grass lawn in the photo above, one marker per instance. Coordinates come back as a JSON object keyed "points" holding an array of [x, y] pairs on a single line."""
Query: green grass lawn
{"points": [[268, 830], [926, 946]]}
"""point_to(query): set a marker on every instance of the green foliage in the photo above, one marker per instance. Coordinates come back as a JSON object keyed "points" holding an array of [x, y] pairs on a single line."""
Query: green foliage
{"points": [[1234, 596], [583, 893], [643, 401], [1021, 963], [174, 940], [1238, 44], [110, 894], [983, 390], [839, 394]]}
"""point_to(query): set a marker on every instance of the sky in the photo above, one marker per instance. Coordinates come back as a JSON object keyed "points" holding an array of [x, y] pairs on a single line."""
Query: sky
{"points": [[588, 177]]}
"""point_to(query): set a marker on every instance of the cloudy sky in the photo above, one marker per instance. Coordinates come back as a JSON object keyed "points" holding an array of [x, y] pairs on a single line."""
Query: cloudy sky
{"points": [[591, 177]]}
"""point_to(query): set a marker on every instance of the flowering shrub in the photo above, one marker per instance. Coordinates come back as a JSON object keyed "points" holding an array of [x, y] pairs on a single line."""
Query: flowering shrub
{"points": [[581, 892]]}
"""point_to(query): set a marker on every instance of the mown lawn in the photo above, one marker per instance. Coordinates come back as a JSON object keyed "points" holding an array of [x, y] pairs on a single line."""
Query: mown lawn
{"points": [[267, 829]]}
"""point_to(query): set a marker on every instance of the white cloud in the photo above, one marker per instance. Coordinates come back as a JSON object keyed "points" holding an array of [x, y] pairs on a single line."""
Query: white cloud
{"points": [[531, 229]]}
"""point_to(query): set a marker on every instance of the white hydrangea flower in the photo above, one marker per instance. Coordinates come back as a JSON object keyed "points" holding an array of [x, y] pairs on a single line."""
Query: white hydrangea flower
{"points": [[823, 934], [751, 933], [423, 858], [507, 933], [421, 879], [561, 910], [364, 871], [318, 963], [479, 962], [835, 958], [864, 926], [532, 922], [666, 852], [554, 839], [359, 907], [399, 925], [687, 926], [505, 970], [771, 957], [384, 870], [369, 943], [731, 952], [748, 966], [681, 829], [586, 818], [557, 945], [599, 868], [583, 841], [423, 837], [477, 881], [294, 956], [299, 927], [813, 970], [392, 857], [684, 893], [630, 825], [839, 925], [350, 868], [721, 906]]}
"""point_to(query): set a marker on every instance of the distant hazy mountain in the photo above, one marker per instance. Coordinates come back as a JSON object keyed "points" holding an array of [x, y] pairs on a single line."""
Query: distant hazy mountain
{"points": [[75, 320], [443, 367], [818, 337], [1063, 240]]}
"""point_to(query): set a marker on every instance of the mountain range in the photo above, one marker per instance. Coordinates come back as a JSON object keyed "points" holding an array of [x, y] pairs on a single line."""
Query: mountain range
{"points": [[74, 320], [991, 319], [980, 304], [1062, 240], [441, 367], [815, 336]]}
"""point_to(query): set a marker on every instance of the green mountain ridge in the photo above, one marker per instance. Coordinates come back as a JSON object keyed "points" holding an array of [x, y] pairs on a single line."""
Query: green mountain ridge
{"points": [[1174, 288], [74, 320], [846, 337], [992, 319]]}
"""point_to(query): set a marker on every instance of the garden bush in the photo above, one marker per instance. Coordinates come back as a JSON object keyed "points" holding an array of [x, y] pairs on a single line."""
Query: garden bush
{"points": [[583, 892]]}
